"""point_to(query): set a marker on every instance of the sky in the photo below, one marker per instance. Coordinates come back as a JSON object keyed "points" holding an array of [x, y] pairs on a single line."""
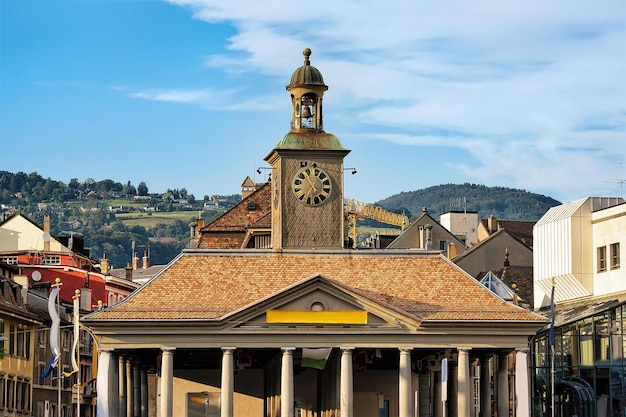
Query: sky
{"points": [[191, 93]]}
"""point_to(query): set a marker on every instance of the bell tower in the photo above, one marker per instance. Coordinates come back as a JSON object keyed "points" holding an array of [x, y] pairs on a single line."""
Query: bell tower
{"points": [[307, 171]]}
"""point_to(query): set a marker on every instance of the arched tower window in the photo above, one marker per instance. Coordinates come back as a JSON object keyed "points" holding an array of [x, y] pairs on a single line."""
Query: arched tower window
{"points": [[308, 111]]}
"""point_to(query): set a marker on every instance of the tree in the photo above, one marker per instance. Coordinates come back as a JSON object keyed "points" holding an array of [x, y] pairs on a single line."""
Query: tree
{"points": [[142, 188], [129, 190]]}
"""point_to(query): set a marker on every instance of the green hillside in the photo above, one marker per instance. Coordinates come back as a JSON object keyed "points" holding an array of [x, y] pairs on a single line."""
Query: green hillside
{"points": [[504, 203]]}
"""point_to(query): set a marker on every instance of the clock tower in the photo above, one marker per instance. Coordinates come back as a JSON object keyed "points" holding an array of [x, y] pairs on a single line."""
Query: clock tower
{"points": [[307, 171]]}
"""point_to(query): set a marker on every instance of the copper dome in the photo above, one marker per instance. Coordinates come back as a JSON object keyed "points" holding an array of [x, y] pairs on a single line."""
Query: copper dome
{"points": [[306, 74]]}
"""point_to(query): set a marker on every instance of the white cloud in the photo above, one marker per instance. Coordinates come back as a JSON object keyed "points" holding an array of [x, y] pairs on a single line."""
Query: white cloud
{"points": [[533, 90]]}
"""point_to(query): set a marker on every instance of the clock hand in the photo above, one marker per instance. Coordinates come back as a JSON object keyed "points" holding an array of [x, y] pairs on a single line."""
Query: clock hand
{"points": [[311, 184]]}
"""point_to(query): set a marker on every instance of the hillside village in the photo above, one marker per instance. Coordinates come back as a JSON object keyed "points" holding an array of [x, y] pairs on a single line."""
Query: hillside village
{"points": [[272, 310]]}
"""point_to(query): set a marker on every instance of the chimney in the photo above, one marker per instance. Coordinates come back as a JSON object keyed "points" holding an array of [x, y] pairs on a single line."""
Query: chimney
{"points": [[129, 272], [85, 299], [199, 225], [506, 258], [429, 236], [135, 261], [492, 224], [46, 232], [451, 250], [146, 260], [104, 264]]}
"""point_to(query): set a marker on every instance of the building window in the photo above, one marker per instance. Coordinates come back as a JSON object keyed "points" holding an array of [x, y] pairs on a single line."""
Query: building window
{"points": [[10, 394], [442, 245], [67, 339], [3, 399], [601, 258], [19, 341], [12, 341], [2, 334], [51, 260], [615, 255], [11, 260], [41, 367], [42, 337]]}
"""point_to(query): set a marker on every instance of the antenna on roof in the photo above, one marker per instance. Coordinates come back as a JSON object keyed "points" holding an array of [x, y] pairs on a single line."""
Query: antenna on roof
{"points": [[620, 181]]}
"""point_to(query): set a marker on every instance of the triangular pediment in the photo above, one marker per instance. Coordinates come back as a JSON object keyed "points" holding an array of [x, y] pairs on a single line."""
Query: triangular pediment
{"points": [[318, 302]]}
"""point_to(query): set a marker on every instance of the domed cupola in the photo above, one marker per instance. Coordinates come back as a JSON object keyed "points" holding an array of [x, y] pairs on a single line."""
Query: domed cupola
{"points": [[307, 89], [306, 74]]}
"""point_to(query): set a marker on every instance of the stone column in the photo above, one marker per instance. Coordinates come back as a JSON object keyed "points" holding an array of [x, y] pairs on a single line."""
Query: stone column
{"points": [[136, 390], [167, 382], [228, 382], [464, 390], [485, 386], [129, 388], [346, 406], [122, 387], [405, 395], [286, 383], [143, 412], [502, 385], [522, 383]]}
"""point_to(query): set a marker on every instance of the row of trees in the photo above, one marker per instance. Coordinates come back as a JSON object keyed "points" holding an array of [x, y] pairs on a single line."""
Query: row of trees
{"points": [[34, 187]]}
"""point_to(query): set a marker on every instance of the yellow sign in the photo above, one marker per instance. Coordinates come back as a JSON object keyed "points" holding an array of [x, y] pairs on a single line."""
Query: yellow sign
{"points": [[316, 317]]}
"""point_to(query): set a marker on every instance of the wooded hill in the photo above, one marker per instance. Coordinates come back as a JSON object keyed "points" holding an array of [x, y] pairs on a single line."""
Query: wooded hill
{"points": [[504, 203]]}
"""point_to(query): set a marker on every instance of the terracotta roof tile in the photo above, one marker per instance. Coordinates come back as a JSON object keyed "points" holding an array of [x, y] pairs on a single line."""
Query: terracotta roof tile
{"points": [[208, 285], [240, 216], [229, 230]]}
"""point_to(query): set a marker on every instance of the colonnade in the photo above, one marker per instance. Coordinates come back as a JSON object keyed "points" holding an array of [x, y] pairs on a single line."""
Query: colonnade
{"points": [[123, 392], [122, 386]]}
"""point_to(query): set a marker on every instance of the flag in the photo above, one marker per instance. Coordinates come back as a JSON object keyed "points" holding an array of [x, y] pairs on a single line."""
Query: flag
{"points": [[54, 331], [315, 358], [104, 386], [76, 335], [51, 365]]}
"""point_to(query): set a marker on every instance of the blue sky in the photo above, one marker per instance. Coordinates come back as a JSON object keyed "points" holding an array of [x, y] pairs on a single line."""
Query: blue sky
{"points": [[191, 93]]}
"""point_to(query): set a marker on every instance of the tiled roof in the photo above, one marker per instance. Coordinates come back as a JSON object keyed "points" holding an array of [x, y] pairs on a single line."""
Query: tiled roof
{"points": [[522, 231], [211, 284], [138, 273], [240, 216]]}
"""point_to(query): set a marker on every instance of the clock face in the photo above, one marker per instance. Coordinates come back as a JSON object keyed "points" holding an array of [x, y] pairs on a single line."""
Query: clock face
{"points": [[312, 186]]}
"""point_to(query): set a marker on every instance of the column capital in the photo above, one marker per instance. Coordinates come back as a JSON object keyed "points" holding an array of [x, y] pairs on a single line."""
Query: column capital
{"points": [[405, 350], [287, 349], [463, 348], [347, 348], [229, 349], [168, 349]]}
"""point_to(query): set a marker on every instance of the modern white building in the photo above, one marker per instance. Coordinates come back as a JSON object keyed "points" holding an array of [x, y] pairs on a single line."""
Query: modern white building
{"points": [[580, 362], [578, 244]]}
